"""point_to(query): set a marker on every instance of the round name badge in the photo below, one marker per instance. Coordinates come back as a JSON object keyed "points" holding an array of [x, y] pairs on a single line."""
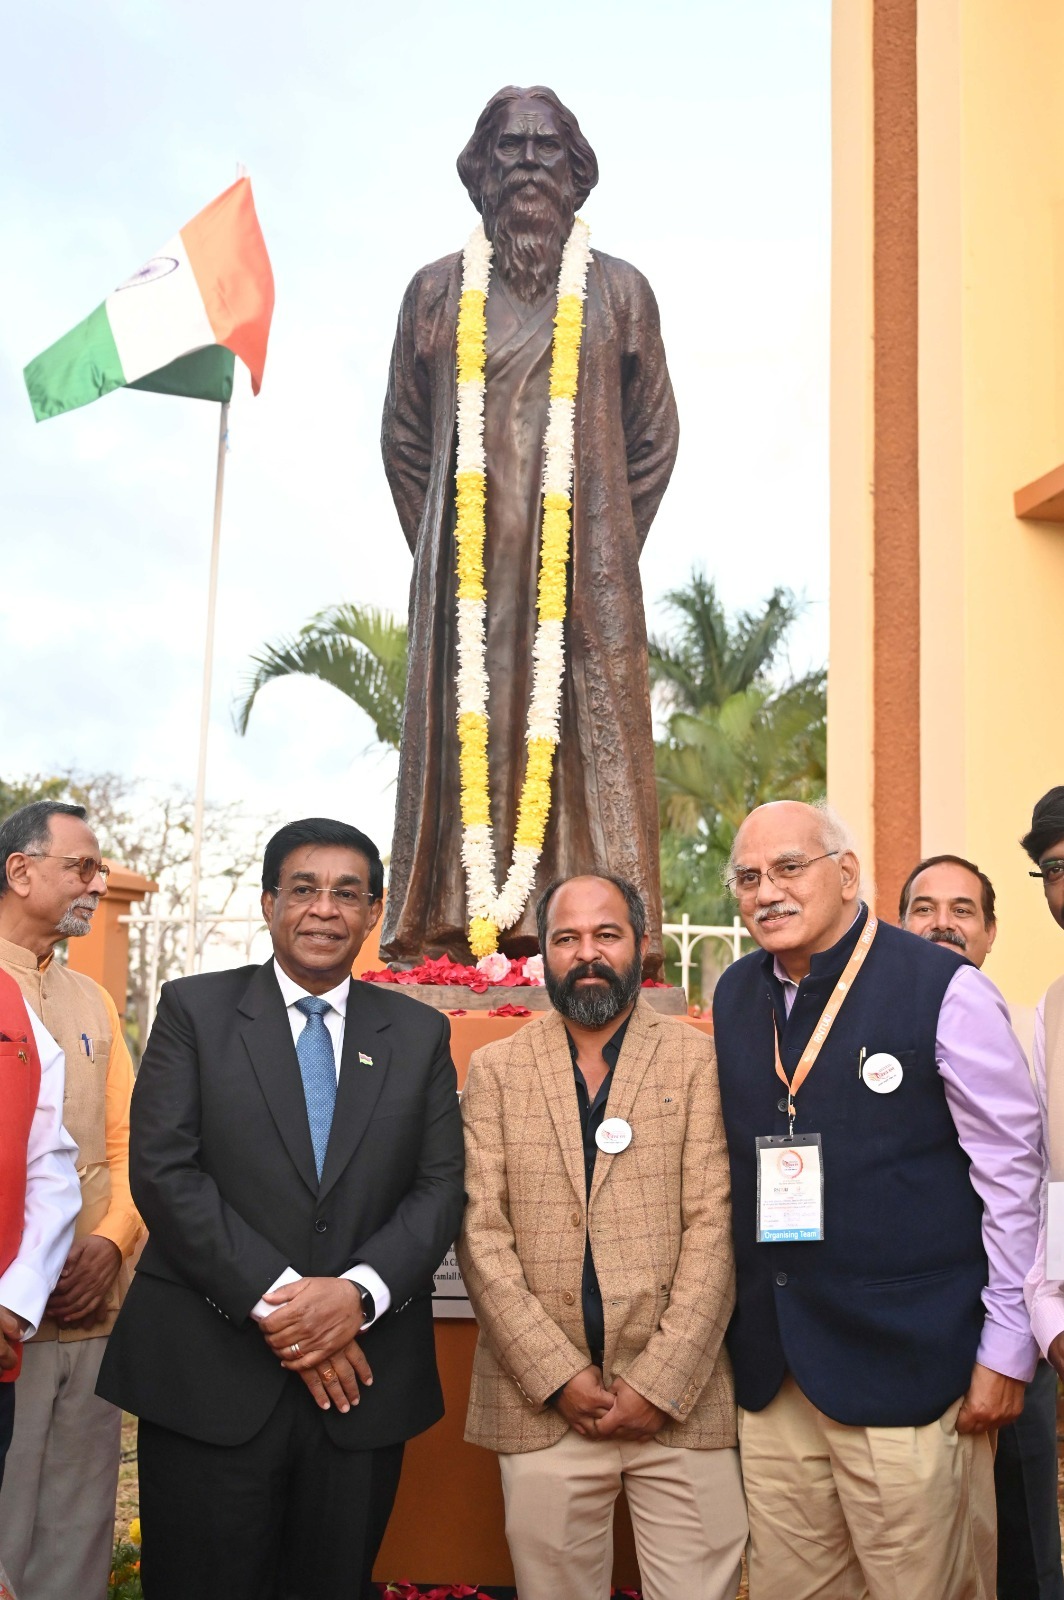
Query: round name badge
{"points": [[613, 1135], [882, 1073]]}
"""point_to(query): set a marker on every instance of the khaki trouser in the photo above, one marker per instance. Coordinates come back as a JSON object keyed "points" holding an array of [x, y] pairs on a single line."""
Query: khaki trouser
{"points": [[57, 1506], [686, 1507], [845, 1513]]}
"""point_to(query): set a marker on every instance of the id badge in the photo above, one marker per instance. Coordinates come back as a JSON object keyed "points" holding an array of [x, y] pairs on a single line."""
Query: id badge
{"points": [[790, 1189]]}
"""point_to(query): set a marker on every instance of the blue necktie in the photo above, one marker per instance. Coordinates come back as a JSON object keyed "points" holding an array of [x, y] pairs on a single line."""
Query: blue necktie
{"points": [[317, 1067]]}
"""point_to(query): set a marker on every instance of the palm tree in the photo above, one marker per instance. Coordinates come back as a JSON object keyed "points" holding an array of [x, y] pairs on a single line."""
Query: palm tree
{"points": [[759, 745], [735, 737], [710, 657], [358, 649]]}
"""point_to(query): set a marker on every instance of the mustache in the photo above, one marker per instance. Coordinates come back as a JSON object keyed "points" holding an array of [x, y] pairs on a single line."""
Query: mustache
{"points": [[947, 936], [528, 196], [526, 177], [592, 969], [777, 908]]}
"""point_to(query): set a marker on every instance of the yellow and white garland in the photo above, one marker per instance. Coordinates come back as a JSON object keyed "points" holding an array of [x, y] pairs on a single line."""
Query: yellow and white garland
{"points": [[490, 911]]}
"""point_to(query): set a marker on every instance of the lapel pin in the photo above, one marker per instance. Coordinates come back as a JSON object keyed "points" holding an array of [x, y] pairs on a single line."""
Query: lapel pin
{"points": [[882, 1073], [367, 1061], [613, 1135]]}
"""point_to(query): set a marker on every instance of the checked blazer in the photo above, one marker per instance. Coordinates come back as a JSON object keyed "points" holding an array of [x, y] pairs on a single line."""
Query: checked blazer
{"points": [[659, 1218]]}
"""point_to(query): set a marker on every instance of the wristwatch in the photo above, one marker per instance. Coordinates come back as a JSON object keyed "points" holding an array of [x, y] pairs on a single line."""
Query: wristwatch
{"points": [[369, 1308]]}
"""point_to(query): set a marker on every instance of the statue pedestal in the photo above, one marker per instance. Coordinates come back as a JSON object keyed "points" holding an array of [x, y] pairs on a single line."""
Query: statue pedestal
{"points": [[447, 1526], [453, 997]]}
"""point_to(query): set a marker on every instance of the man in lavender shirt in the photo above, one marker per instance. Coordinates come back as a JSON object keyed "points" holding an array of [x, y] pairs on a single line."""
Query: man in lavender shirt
{"points": [[872, 1355], [948, 900]]}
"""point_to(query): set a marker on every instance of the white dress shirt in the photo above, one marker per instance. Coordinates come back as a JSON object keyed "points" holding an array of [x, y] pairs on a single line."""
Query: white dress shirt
{"points": [[53, 1194], [364, 1277]]}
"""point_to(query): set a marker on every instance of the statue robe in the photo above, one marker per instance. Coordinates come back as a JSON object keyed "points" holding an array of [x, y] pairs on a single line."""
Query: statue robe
{"points": [[604, 814]]}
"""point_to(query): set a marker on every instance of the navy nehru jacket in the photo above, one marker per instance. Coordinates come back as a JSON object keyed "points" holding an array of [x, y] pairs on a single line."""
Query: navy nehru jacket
{"points": [[879, 1323]]}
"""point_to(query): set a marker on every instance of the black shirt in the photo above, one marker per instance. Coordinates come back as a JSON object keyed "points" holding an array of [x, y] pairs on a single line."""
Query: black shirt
{"points": [[592, 1115]]}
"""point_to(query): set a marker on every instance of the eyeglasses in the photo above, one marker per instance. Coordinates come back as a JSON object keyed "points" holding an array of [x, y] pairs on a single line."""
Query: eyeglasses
{"points": [[86, 867], [305, 894], [747, 880], [1049, 872]]}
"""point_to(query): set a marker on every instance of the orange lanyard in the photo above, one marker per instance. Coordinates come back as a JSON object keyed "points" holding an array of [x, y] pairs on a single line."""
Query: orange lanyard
{"points": [[824, 1026]]}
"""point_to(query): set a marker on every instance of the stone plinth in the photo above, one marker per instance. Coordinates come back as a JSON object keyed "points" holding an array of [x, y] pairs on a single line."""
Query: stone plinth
{"points": [[453, 997]]}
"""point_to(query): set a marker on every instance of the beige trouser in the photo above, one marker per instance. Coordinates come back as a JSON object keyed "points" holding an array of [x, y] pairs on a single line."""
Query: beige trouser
{"points": [[57, 1506], [844, 1513], [686, 1507]]}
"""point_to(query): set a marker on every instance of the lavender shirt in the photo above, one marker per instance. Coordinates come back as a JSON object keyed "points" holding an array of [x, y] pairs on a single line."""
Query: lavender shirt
{"points": [[995, 1111]]}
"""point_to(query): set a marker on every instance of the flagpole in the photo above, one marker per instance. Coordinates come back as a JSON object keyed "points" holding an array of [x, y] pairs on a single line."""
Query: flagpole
{"points": [[205, 704]]}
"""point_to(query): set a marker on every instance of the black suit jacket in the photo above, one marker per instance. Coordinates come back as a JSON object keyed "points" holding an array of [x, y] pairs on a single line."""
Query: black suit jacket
{"points": [[222, 1170]]}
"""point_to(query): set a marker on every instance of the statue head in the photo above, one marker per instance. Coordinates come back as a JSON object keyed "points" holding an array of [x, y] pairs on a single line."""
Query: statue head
{"points": [[528, 169]]}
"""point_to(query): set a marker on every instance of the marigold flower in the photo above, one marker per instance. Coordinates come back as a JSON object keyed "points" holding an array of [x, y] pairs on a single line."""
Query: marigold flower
{"points": [[491, 908]]}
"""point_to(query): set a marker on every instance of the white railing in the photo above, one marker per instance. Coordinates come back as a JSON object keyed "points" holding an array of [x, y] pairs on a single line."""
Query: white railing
{"points": [[687, 934]]}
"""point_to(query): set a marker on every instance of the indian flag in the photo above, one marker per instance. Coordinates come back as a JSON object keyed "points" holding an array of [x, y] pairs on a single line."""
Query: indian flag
{"points": [[176, 326]]}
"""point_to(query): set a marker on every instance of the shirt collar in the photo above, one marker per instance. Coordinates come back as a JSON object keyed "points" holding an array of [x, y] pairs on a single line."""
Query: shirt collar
{"points": [[291, 992], [825, 960], [611, 1049]]}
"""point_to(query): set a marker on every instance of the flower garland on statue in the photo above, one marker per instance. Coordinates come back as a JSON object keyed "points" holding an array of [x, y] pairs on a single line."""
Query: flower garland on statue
{"points": [[490, 911]]}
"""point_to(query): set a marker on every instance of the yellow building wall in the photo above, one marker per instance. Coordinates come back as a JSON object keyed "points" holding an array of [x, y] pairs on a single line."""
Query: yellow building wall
{"points": [[991, 416]]}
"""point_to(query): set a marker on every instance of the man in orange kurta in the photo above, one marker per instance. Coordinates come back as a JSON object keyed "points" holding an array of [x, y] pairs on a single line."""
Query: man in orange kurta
{"points": [[57, 1503]]}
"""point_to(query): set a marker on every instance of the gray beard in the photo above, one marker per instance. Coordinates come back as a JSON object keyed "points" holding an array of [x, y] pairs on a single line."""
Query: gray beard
{"points": [[75, 923]]}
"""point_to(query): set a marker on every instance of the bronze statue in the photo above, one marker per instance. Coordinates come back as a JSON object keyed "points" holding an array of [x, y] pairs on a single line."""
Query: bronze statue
{"points": [[528, 169]]}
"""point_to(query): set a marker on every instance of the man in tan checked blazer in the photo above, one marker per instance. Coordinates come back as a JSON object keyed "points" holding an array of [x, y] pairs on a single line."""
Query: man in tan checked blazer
{"points": [[596, 1250]]}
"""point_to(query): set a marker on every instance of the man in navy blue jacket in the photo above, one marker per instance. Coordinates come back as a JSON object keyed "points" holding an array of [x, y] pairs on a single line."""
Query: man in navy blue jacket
{"points": [[885, 1153]]}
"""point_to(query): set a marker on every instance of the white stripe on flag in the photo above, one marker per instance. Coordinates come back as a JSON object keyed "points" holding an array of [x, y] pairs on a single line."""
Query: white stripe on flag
{"points": [[158, 314]]}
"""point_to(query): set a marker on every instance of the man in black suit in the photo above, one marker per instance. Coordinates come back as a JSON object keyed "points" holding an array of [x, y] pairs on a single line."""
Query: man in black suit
{"points": [[296, 1152]]}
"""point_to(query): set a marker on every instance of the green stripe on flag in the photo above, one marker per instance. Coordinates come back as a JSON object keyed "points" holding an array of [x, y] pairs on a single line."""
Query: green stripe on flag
{"points": [[77, 369], [204, 375]]}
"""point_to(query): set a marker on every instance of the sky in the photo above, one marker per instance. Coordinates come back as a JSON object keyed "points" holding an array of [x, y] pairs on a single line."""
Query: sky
{"points": [[121, 120]]}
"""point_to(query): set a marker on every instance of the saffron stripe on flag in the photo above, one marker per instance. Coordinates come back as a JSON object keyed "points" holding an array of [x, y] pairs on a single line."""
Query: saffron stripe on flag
{"points": [[228, 256]]}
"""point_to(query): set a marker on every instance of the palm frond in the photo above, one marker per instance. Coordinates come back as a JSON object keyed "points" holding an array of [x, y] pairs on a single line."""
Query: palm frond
{"points": [[359, 650], [707, 658]]}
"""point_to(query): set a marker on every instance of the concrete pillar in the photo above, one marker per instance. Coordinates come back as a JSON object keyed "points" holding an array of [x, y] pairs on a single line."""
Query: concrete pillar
{"points": [[103, 954]]}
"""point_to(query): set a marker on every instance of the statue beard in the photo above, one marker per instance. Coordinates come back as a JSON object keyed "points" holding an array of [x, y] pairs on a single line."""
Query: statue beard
{"points": [[528, 218]]}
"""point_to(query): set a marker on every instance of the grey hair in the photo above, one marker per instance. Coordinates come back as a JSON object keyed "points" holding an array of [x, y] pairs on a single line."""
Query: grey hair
{"points": [[30, 827], [835, 836], [834, 833]]}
